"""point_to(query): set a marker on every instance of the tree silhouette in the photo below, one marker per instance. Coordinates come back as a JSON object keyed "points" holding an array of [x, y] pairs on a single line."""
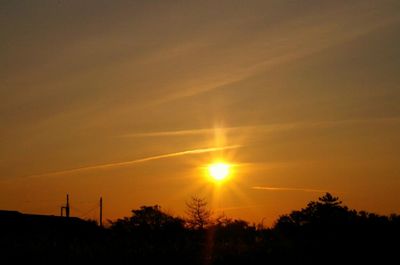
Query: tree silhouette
{"points": [[327, 210], [148, 218], [323, 232], [198, 213], [328, 199]]}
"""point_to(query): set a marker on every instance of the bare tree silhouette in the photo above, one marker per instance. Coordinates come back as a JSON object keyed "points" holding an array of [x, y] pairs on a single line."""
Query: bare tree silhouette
{"points": [[198, 213]]}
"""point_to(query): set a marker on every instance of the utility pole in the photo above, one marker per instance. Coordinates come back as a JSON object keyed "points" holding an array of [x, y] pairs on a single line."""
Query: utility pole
{"points": [[66, 207], [101, 212]]}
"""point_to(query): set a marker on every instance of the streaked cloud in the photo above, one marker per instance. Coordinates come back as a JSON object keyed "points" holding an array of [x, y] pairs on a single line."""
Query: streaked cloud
{"points": [[296, 43]]}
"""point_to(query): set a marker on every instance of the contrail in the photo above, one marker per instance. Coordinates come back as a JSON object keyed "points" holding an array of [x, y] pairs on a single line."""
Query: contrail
{"points": [[287, 189], [267, 127], [171, 133], [136, 161]]}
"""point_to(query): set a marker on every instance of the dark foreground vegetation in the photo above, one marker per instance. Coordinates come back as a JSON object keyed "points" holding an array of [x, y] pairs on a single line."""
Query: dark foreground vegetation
{"points": [[324, 232]]}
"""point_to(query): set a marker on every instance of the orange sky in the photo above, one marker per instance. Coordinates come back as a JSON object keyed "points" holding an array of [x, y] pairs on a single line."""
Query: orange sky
{"points": [[130, 100]]}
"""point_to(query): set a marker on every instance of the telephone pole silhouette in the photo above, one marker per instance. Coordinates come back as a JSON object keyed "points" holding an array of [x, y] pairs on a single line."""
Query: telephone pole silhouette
{"points": [[66, 208], [101, 212]]}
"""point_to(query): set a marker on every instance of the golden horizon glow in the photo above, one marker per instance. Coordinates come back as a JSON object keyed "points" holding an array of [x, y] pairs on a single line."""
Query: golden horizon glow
{"points": [[139, 110], [219, 171]]}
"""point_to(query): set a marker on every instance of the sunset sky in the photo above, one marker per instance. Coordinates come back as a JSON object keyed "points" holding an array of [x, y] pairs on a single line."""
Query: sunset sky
{"points": [[131, 100]]}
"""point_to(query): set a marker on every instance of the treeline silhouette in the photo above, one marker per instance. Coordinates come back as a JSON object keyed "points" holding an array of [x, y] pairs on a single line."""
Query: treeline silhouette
{"points": [[324, 232]]}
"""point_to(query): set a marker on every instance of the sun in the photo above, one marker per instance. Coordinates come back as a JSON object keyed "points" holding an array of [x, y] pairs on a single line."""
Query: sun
{"points": [[219, 171]]}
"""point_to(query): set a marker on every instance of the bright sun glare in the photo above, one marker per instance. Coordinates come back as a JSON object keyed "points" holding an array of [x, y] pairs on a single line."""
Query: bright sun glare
{"points": [[219, 171]]}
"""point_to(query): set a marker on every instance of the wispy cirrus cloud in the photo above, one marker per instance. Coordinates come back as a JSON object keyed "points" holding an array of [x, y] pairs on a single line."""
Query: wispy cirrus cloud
{"points": [[296, 44]]}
